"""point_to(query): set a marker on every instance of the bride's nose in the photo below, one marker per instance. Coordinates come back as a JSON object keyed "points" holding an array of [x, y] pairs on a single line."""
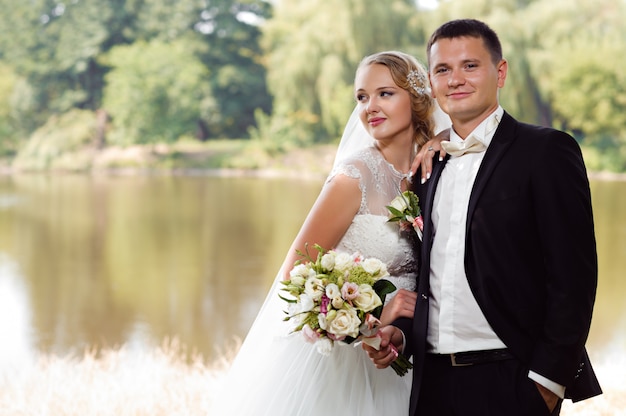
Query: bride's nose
{"points": [[372, 106]]}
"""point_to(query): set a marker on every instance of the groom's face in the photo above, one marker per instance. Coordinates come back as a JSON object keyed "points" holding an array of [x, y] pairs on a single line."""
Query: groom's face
{"points": [[465, 80]]}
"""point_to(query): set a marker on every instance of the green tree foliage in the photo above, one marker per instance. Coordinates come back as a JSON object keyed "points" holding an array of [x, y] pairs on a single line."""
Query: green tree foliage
{"points": [[236, 61], [8, 125], [155, 91], [56, 47], [566, 65], [579, 65], [233, 56], [205, 66], [313, 48]]}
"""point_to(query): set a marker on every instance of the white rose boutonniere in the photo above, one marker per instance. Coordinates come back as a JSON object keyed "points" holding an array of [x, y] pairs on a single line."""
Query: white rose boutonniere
{"points": [[405, 210]]}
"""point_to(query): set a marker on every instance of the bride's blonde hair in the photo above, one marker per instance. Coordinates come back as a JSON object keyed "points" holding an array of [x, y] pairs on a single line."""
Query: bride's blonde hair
{"points": [[411, 76]]}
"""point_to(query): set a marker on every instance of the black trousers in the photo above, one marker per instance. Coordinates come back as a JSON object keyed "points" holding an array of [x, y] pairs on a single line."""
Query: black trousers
{"points": [[498, 388]]}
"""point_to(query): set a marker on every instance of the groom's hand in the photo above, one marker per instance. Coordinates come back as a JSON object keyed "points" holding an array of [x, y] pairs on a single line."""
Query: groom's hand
{"points": [[383, 357]]}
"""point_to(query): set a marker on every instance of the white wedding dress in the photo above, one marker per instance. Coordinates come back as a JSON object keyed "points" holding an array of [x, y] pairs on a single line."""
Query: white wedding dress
{"points": [[279, 374]]}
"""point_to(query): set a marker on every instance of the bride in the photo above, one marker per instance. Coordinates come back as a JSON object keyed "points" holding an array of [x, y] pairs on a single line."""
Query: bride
{"points": [[279, 373]]}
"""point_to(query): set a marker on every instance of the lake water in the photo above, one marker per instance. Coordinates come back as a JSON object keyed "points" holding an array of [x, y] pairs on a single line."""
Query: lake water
{"points": [[89, 261]]}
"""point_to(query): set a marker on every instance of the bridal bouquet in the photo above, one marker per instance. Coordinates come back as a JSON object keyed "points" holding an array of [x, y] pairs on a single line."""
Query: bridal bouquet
{"points": [[338, 297], [405, 210]]}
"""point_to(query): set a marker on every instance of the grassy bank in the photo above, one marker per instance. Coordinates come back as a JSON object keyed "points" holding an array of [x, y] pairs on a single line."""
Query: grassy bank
{"points": [[169, 381], [211, 157], [215, 157]]}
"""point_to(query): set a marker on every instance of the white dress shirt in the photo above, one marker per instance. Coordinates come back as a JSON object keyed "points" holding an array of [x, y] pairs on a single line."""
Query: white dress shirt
{"points": [[455, 321]]}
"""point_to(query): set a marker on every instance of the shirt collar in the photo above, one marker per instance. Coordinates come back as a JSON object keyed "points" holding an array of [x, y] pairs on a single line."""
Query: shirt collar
{"points": [[485, 131]]}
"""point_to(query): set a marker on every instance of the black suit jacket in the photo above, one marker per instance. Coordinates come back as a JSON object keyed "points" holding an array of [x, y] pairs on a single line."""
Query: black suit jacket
{"points": [[530, 255]]}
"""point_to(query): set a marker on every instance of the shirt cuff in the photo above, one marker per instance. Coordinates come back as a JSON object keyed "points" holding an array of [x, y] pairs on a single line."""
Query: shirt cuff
{"points": [[549, 384]]}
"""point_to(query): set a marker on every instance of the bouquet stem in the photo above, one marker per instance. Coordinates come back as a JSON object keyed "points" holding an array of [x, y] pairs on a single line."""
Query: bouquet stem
{"points": [[401, 365]]}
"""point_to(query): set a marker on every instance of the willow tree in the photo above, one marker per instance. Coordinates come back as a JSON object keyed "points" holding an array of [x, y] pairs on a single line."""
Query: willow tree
{"points": [[313, 49], [580, 65]]}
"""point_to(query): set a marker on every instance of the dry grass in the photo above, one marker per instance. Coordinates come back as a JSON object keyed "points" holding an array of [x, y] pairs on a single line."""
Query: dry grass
{"points": [[168, 381], [113, 382]]}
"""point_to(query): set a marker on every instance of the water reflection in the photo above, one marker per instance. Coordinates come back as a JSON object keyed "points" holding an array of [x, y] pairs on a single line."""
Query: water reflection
{"points": [[110, 261], [15, 325]]}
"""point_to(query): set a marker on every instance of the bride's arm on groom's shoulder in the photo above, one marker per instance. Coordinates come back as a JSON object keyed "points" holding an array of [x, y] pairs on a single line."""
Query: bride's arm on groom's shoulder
{"points": [[383, 357], [329, 218], [402, 305], [426, 154]]}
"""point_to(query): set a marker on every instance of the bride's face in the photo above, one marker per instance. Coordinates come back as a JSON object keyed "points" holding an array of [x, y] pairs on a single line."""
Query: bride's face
{"points": [[384, 108]]}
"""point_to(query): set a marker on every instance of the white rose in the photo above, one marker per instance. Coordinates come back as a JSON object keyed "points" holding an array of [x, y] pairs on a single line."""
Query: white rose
{"points": [[374, 266], [367, 300], [343, 262], [314, 287], [324, 346], [328, 260], [399, 203], [345, 323]]}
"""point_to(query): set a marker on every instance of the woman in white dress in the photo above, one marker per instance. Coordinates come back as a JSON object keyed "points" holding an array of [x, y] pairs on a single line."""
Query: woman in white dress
{"points": [[278, 373]]}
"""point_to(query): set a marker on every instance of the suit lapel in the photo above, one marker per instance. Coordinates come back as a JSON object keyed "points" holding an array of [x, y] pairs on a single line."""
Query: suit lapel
{"points": [[427, 208], [501, 141]]}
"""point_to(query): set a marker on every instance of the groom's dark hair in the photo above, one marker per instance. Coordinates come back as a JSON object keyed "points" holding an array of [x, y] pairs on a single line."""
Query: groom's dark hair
{"points": [[471, 28]]}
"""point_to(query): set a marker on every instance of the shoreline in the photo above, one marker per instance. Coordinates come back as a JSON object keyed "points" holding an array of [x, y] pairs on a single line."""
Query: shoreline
{"points": [[263, 173]]}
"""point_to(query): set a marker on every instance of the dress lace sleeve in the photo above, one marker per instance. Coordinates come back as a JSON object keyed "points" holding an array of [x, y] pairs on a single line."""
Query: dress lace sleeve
{"points": [[379, 182], [352, 168]]}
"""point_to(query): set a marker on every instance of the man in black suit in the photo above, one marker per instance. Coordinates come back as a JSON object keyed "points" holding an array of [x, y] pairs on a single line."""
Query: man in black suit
{"points": [[508, 269]]}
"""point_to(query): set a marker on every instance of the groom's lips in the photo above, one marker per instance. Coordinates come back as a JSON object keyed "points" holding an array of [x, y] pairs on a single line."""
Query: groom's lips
{"points": [[375, 121], [459, 94]]}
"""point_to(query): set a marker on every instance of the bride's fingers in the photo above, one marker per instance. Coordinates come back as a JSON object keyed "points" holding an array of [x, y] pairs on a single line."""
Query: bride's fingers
{"points": [[427, 166], [424, 159], [442, 154], [417, 161], [427, 153]]}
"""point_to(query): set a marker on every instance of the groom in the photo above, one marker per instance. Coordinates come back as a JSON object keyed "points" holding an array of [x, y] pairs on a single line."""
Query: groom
{"points": [[508, 261]]}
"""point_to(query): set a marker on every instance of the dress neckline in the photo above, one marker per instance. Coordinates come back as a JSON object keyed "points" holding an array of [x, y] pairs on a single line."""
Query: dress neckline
{"points": [[408, 176]]}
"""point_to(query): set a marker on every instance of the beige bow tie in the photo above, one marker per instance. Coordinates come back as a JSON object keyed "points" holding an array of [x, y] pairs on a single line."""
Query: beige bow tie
{"points": [[469, 145]]}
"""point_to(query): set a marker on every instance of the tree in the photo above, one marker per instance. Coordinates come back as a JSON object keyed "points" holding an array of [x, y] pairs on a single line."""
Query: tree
{"points": [[156, 91], [55, 48], [313, 49]]}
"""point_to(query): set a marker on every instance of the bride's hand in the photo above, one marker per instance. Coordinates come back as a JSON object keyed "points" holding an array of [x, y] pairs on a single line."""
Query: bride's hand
{"points": [[401, 306], [426, 153]]}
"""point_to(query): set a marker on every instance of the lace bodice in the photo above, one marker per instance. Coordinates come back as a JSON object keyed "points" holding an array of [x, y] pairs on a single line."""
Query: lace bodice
{"points": [[370, 234]]}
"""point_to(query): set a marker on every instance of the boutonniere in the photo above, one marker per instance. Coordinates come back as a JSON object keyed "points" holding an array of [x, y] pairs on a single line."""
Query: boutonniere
{"points": [[404, 209]]}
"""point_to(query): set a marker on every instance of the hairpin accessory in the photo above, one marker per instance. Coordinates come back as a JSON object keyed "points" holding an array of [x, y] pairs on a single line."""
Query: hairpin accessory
{"points": [[417, 81]]}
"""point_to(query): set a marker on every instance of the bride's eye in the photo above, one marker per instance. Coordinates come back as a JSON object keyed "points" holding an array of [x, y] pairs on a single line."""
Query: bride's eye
{"points": [[360, 97]]}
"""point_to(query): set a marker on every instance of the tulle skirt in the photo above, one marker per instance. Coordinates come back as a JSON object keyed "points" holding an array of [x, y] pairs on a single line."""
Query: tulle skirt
{"points": [[277, 373]]}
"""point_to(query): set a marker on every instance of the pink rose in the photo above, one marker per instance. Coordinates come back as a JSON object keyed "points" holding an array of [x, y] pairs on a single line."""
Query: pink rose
{"points": [[310, 335]]}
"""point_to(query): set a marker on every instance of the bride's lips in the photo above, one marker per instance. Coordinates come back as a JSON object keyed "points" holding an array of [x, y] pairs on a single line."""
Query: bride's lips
{"points": [[375, 121]]}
